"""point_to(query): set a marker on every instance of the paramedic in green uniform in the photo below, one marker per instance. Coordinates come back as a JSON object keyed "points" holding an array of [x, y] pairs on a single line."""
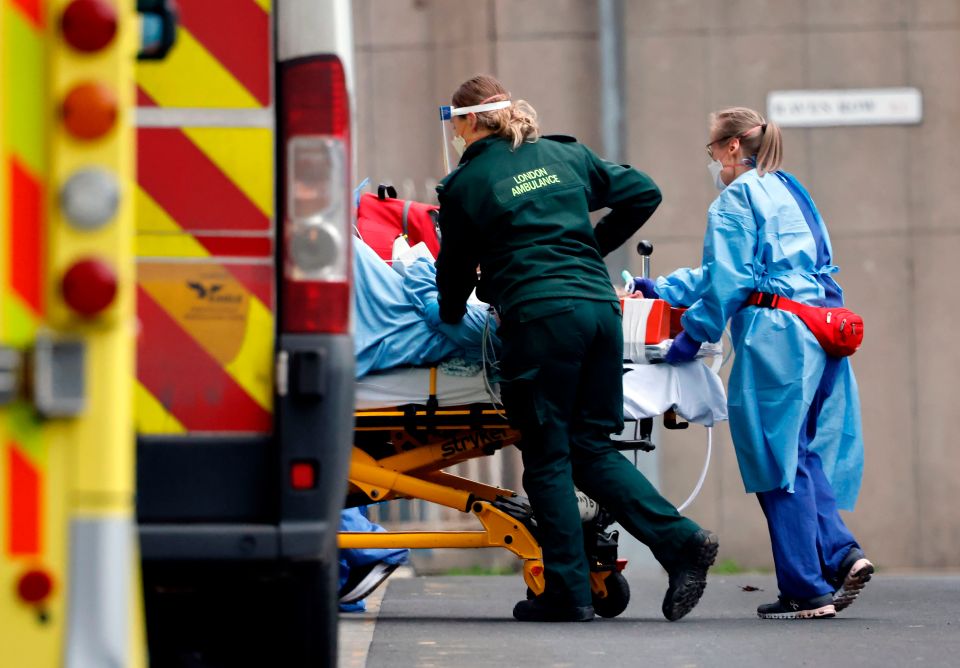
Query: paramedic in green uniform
{"points": [[517, 206]]}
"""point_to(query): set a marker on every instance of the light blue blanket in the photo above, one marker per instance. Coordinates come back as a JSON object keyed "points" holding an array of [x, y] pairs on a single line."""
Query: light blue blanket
{"points": [[390, 329]]}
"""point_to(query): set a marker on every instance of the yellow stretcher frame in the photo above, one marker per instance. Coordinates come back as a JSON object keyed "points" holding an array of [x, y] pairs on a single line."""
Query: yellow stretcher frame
{"points": [[428, 439]]}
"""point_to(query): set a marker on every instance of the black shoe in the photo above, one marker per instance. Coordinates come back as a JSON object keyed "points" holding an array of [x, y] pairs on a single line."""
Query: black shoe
{"points": [[363, 580], [820, 607], [688, 578], [855, 572], [539, 610]]}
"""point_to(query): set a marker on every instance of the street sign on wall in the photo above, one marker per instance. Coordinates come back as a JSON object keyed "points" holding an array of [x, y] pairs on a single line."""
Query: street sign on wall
{"points": [[825, 108]]}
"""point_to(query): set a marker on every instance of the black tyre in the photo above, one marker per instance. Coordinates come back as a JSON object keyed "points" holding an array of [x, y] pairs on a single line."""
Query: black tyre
{"points": [[617, 598]]}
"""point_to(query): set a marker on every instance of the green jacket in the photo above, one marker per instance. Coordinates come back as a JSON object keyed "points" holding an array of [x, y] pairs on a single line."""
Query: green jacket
{"points": [[522, 216]]}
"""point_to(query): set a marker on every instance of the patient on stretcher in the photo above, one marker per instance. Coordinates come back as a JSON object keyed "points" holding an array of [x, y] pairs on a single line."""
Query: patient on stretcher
{"points": [[391, 333], [390, 329]]}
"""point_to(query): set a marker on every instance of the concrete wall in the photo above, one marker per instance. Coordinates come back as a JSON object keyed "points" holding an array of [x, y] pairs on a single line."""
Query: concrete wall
{"points": [[889, 194]]}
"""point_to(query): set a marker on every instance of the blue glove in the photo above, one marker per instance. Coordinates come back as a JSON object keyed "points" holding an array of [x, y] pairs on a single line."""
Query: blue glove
{"points": [[646, 286], [683, 349], [431, 313]]}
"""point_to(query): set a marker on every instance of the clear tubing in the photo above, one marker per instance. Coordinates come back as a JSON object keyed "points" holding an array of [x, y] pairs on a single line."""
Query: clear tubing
{"points": [[703, 474]]}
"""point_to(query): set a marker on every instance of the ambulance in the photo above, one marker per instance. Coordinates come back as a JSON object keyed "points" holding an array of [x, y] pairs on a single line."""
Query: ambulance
{"points": [[245, 363], [176, 358], [69, 571]]}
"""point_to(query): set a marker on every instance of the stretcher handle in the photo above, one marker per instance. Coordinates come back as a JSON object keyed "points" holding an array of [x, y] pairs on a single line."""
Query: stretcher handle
{"points": [[645, 249]]}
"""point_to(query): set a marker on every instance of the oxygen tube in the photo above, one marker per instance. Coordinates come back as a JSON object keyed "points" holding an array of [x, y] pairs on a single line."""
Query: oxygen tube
{"points": [[706, 461], [703, 473]]}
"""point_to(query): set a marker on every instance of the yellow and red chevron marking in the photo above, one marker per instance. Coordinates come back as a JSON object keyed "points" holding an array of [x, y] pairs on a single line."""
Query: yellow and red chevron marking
{"points": [[33, 10], [201, 368], [222, 58], [24, 163], [208, 179], [204, 206], [205, 222], [205, 194], [24, 496], [23, 302], [22, 223]]}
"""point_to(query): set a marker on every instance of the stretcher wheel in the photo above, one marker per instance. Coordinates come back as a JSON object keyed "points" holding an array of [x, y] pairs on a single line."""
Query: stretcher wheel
{"points": [[617, 598]]}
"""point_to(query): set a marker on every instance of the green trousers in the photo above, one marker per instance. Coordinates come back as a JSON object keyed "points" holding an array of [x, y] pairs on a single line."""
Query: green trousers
{"points": [[561, 383]]}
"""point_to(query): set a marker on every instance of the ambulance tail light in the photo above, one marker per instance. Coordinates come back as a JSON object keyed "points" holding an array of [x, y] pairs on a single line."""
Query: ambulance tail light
{"points": [[89, 286], [89, 25], [316, 205], [35, 586]]}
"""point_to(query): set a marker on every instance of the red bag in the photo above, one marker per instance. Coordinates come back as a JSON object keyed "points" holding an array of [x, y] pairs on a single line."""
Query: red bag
{"points": [[381, 218], [838, 330]]}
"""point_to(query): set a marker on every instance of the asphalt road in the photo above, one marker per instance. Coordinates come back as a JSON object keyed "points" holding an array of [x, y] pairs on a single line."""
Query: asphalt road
{"points": [[899, 620]]}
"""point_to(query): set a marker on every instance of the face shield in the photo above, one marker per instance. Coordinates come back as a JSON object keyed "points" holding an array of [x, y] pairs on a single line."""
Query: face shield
{"points": [[451, 152]]}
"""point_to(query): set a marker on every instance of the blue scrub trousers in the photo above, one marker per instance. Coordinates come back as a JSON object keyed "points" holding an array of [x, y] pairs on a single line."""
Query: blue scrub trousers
{"points": [[808, 535]]}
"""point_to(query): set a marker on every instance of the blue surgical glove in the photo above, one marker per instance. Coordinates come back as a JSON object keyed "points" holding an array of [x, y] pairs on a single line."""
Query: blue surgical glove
{"points": [[431, 313], [646, 286], [683, 349]]}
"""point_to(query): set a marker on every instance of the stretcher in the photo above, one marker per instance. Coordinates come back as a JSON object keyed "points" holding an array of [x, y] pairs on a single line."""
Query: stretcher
{"points": [[412, 424]]}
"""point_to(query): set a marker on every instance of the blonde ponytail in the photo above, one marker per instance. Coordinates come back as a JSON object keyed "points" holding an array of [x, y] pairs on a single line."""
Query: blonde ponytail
{"points": [[770, 153], [518, 122], [759, 139]]}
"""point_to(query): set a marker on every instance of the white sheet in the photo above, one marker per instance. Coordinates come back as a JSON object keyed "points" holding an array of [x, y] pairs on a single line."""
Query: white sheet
{"points": [[695, 392], [396, 387], [649, 390]]}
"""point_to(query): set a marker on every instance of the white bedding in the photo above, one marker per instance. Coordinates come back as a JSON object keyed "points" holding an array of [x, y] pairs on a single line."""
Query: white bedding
{"points": [[397, 387], [649, 390]]}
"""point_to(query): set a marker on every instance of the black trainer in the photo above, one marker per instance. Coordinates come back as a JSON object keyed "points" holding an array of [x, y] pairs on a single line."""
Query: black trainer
{"points": [[855, 572], [820, 607], [539, 610], [688, 579], [364, 579]]}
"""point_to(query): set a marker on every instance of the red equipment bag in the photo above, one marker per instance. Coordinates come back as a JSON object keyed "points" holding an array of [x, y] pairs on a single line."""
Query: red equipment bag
{"points": [[838, 330], [381, 218]]}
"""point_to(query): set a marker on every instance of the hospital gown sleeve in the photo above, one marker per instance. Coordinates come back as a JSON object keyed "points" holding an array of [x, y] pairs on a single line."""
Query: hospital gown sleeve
{"points": [[457, 261], [729, 248], [631, 195]]}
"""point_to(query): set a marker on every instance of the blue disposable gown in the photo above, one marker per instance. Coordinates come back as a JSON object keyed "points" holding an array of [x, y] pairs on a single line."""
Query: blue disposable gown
{"points": [[758, 240]]}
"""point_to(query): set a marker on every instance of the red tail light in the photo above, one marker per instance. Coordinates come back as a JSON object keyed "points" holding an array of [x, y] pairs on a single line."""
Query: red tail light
{"points": [[35, 586], [89, 25], [315, 97], [89, 286], [316, 204]]}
